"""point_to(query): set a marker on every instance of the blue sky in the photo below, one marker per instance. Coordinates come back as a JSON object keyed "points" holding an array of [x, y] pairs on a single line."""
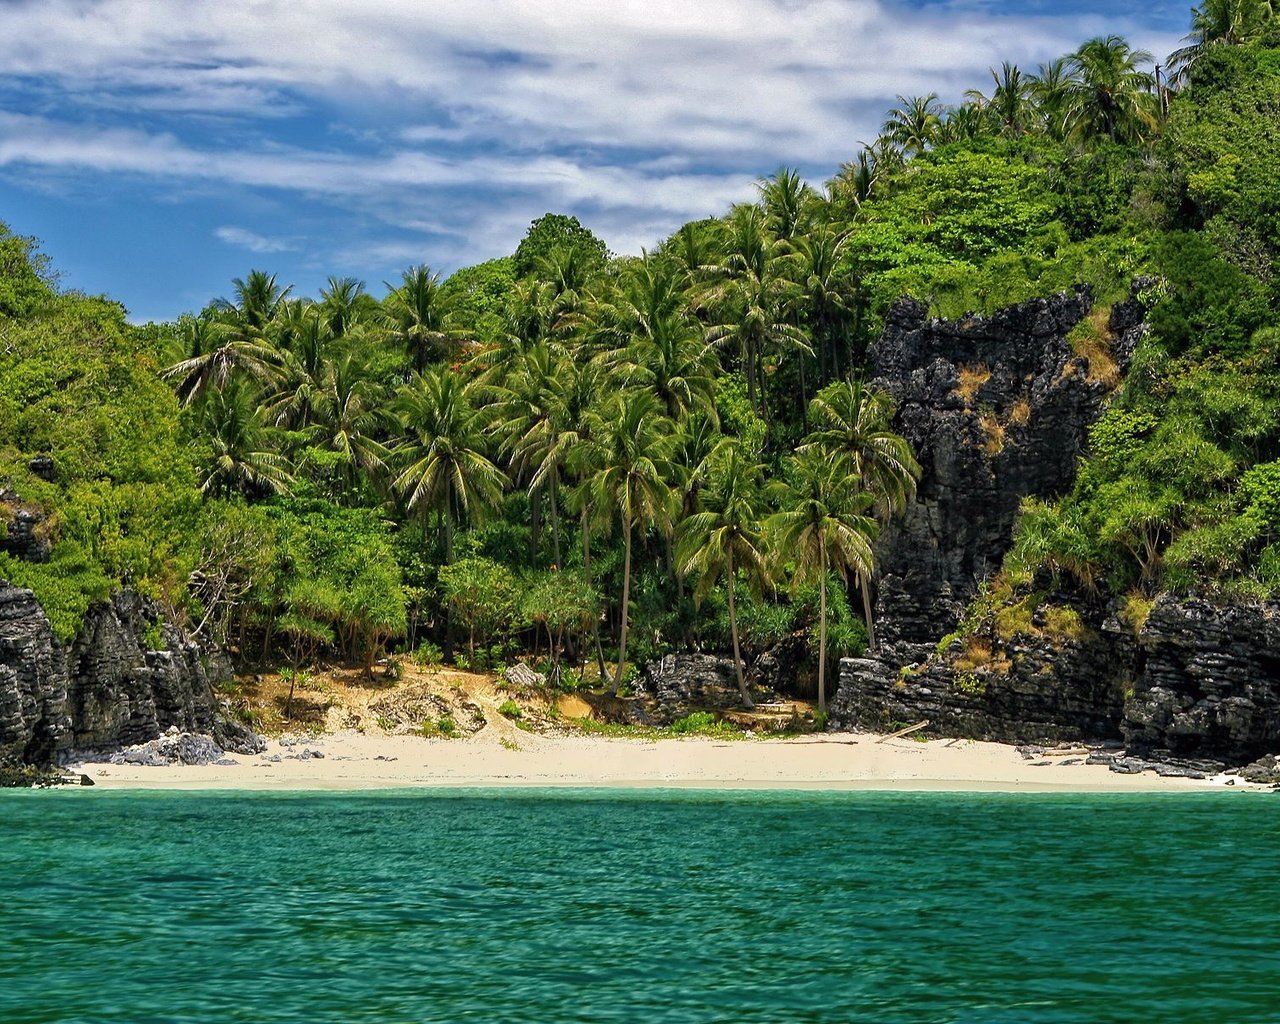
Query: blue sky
{"points": [[159, 148]]}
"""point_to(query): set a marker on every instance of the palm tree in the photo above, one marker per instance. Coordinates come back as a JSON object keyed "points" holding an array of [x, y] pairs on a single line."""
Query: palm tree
{"points": [[1009, 105], [1110, 96], [444, 467], [823, 529], [1227, 22], [258, 299], [726, 538], [788, 204], [530, 406], [1051, 94], [239, 344], [665, 349], [243, 459], [348, 416], [855, 433], [914, 123], [631, 453], [855, 182], [964, 123], [305, 366], [344, 303], [753, 300], [828, 295], [418, 314]]}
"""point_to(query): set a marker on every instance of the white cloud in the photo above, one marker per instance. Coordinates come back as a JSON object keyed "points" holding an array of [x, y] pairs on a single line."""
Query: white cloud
{"points": [[243, 238]]}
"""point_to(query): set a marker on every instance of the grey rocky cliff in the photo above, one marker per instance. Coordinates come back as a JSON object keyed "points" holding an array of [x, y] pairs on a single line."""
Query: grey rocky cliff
{"points": [[1198, 684], [997, 409], [108, 688]]}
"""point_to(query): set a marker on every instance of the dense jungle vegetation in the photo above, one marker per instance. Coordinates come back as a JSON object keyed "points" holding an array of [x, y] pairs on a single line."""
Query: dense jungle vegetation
{"points": [[596, 459]]}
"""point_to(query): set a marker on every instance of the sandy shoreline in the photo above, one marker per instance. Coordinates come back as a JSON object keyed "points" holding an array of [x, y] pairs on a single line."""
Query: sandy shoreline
{"points": [[355, 760]]}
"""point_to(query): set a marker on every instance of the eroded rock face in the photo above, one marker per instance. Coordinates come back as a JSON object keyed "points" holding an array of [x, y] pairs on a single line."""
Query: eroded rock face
{"points": [[1041, 691], [34, 720], [109, 689], [996, 409], [1210, 682]]}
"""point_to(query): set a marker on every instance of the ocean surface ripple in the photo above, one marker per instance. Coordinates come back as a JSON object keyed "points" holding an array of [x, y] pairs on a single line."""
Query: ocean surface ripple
{"points": [[519, 905]]}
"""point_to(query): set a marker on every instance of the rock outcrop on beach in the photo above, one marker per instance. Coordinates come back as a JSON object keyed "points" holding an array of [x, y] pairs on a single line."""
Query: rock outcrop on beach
{"points": [[1208, 683], [124, 679], [1200, 680]]}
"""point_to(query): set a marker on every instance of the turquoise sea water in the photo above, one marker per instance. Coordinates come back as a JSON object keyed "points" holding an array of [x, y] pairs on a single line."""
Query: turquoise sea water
{"points": [[638, 906]]}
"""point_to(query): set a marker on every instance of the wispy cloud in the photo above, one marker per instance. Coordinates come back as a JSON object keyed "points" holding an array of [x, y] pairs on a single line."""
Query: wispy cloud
{"points": [[444, 128], [243, 238]]}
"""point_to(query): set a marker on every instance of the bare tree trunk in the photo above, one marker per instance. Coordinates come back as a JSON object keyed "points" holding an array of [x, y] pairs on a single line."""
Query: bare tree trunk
{"points": [[595, 624], [447, 639], [737, 652], [535, 525]]}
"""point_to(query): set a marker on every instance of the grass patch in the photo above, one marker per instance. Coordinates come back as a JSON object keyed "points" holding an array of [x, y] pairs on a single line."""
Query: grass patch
{"points": [[1136, 610], [1091, 340], [970, 379], [992, 432]]}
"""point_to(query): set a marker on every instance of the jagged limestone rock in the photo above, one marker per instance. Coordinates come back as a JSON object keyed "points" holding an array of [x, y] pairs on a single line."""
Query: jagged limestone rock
{"points": [[107, 689]]}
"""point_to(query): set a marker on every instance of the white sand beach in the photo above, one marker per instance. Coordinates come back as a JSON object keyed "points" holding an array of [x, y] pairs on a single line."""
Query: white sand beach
{"points": [[355, 760]]}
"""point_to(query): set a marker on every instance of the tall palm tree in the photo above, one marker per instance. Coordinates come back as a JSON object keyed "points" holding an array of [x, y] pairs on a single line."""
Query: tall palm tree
{"points": [[823, 529], [964, 123], [444, 467], [419, 316], [828, 297], [788, 204], [854, 432], [305, 366], [726, 538], [236, 342], [344, 303], [1110, 95], [1051, 93], [258, 299], [913, 124], [1009, 104], [854, 183], [1227, 22], [632, 450], [530, 407]]}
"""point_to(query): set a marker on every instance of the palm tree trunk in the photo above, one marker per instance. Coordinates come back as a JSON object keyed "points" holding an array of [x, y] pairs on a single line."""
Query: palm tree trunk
{"points": [[866, 609], [733, 630], [555, 520], [447, 640], [535, 525], [822, 628], [804, 394], [626, 597], [586, 571]]}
